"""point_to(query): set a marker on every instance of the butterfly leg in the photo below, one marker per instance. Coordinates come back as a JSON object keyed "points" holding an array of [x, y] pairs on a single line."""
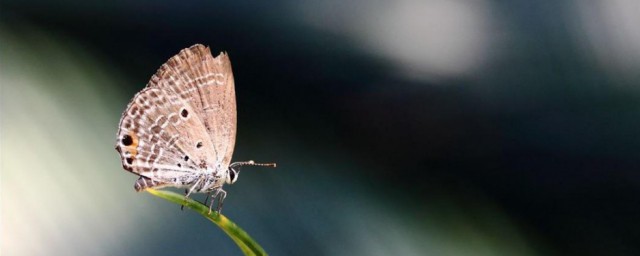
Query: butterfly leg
{"points": [[188, 192], [223, 195], [213, 199], [185, 194], [220, 195], [206, 199]]}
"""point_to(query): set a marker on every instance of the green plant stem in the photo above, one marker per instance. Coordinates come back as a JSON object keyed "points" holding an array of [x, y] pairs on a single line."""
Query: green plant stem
{"points": [[242, 239]]}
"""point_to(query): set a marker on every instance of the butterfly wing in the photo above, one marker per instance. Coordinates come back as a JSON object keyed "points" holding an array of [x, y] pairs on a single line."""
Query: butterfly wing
{"points": [[161, 138], [207, 84]]}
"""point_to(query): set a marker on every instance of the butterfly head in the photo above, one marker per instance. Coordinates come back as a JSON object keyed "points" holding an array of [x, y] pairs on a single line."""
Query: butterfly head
{"points": [[232, 172]]}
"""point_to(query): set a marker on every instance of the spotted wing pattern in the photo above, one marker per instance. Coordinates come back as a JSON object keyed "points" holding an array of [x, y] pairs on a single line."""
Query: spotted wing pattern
{"points": [[174, 128], [194, 74]]}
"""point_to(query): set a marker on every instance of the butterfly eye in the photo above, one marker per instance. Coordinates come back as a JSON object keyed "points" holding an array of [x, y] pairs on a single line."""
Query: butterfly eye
{"points": [[233, 176]]}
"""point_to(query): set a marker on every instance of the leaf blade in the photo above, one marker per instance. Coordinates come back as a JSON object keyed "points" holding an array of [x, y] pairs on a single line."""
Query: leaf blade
{"points": [[246, 244]]}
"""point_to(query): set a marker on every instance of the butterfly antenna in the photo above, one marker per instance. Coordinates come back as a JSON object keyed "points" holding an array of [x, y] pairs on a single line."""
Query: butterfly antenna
{"points": [[251, 163]]}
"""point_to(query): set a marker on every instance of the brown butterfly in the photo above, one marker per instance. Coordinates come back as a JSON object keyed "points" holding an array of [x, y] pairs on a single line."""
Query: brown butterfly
{"points": [[180, 130]]}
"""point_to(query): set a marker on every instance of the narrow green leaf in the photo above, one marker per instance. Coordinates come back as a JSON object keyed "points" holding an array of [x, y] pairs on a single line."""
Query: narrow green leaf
{"points": [[242, 239]]}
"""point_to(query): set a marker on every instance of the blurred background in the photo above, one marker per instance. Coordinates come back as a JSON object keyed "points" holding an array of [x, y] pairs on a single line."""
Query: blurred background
{"points": [[409, 127]]}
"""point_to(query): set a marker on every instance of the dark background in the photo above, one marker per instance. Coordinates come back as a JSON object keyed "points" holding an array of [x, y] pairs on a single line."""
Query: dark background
{"points": [[530, 150]]}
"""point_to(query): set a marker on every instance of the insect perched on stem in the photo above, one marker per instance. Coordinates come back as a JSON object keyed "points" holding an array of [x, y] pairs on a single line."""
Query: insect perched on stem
{"points": [[180, 130]]}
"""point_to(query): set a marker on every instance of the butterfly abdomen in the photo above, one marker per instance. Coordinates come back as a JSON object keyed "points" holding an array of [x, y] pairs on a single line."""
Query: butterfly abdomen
{"points": [[144, 183]]}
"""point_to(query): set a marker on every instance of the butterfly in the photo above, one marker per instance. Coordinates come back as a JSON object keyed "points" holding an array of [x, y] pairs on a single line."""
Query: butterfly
{"points": [[180, 130]]}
